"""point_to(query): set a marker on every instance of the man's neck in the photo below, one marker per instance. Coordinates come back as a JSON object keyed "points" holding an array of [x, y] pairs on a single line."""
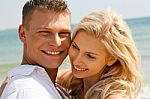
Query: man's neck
{"points": [[52, 73]]}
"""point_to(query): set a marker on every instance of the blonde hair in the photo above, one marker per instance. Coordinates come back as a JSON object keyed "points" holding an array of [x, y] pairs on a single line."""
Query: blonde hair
{"points": [[124, 76]]}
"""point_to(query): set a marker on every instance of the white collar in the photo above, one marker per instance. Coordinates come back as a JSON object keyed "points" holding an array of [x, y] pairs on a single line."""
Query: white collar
{"points": [[24, 70]]}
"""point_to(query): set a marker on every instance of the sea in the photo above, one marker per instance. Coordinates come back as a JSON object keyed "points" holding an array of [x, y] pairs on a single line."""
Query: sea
{"points": [[11, 51]]}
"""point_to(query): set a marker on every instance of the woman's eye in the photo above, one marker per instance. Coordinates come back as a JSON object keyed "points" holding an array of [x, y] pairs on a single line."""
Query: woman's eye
{"points": [[90, 56], [74, 46]]}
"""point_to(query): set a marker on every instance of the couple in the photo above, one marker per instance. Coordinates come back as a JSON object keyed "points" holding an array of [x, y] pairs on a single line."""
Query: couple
{"points": [[103, 55]]}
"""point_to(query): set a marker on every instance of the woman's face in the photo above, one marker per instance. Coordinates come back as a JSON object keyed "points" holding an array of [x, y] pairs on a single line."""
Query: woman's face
{"points": [[88, 56]]}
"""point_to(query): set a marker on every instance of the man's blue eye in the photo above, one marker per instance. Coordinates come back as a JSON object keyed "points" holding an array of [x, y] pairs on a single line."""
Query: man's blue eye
{"points": [[44, 33], [64, 34]]}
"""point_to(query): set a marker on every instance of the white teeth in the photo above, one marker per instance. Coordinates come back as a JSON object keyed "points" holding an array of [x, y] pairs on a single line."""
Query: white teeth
{"points": [[52, 52], [79, 69]]}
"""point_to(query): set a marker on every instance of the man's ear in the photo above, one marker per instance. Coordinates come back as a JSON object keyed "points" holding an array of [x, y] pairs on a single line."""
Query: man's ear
{"points": [[22, 33], [111, 60]]}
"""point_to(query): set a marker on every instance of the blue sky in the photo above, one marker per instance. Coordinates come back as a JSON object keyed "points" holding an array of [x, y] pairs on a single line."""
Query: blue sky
{"points": [[10, 10]]}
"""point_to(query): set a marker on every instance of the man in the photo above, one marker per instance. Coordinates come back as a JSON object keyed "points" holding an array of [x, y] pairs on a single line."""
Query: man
{"points": [[45, 34]]}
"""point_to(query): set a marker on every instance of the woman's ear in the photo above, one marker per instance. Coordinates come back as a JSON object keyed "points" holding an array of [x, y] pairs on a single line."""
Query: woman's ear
{"points": [[22, 34], [111, 60]]}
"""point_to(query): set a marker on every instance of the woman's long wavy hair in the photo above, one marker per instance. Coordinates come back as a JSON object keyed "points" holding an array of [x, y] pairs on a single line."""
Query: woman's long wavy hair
{"points": [[124, 76]]}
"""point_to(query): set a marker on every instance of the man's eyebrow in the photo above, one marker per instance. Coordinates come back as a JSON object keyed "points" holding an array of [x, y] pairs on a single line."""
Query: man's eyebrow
{"points": [[50, 29], [44, 28], [65, 30]]}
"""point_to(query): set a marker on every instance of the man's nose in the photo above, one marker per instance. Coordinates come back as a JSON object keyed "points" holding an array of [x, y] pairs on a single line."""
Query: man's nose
{"points": [[55, 40]]}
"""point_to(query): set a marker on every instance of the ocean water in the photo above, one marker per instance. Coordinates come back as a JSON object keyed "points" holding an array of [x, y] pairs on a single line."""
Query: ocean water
{"points": [[11, 50], [141, 33], [10, 47]]}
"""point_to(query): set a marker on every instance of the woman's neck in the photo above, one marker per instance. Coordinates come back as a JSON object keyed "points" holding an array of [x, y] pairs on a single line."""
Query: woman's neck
{"points": [[87, 84]]}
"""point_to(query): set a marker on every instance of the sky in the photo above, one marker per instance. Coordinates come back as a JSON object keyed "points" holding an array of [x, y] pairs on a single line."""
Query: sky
{"points": [[11, 10]]}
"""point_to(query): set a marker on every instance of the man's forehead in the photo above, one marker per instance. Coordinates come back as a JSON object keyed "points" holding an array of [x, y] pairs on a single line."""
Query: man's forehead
{"points": [[51, 15], [47, 19]]}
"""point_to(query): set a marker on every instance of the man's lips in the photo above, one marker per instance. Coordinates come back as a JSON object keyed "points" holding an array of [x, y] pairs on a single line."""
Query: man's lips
{"points": [[52, 52]]}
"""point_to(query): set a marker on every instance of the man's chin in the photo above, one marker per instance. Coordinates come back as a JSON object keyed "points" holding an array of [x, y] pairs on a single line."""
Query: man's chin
{"points": [[52, 65]]}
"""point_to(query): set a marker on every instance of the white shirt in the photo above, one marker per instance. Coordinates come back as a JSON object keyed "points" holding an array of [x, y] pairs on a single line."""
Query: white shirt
{"points": [[30, 82]]}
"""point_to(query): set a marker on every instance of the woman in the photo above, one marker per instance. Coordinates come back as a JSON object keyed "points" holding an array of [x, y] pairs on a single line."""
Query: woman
{"points": [[104, 59]]}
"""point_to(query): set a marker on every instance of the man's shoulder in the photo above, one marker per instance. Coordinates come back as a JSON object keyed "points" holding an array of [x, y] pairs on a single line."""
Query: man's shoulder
{"points": [[27, 85], [25, 88], [23, 82], [21, 70], [33, 80], [23, 77]]}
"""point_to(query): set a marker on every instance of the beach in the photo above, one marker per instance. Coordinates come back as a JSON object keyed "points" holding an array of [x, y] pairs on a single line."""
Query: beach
{"points": [[11, 51], [144, 93], [145, 90]]}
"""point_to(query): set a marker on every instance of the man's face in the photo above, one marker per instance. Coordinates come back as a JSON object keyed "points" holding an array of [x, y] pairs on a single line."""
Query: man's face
{"points": [[47, 38]]}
